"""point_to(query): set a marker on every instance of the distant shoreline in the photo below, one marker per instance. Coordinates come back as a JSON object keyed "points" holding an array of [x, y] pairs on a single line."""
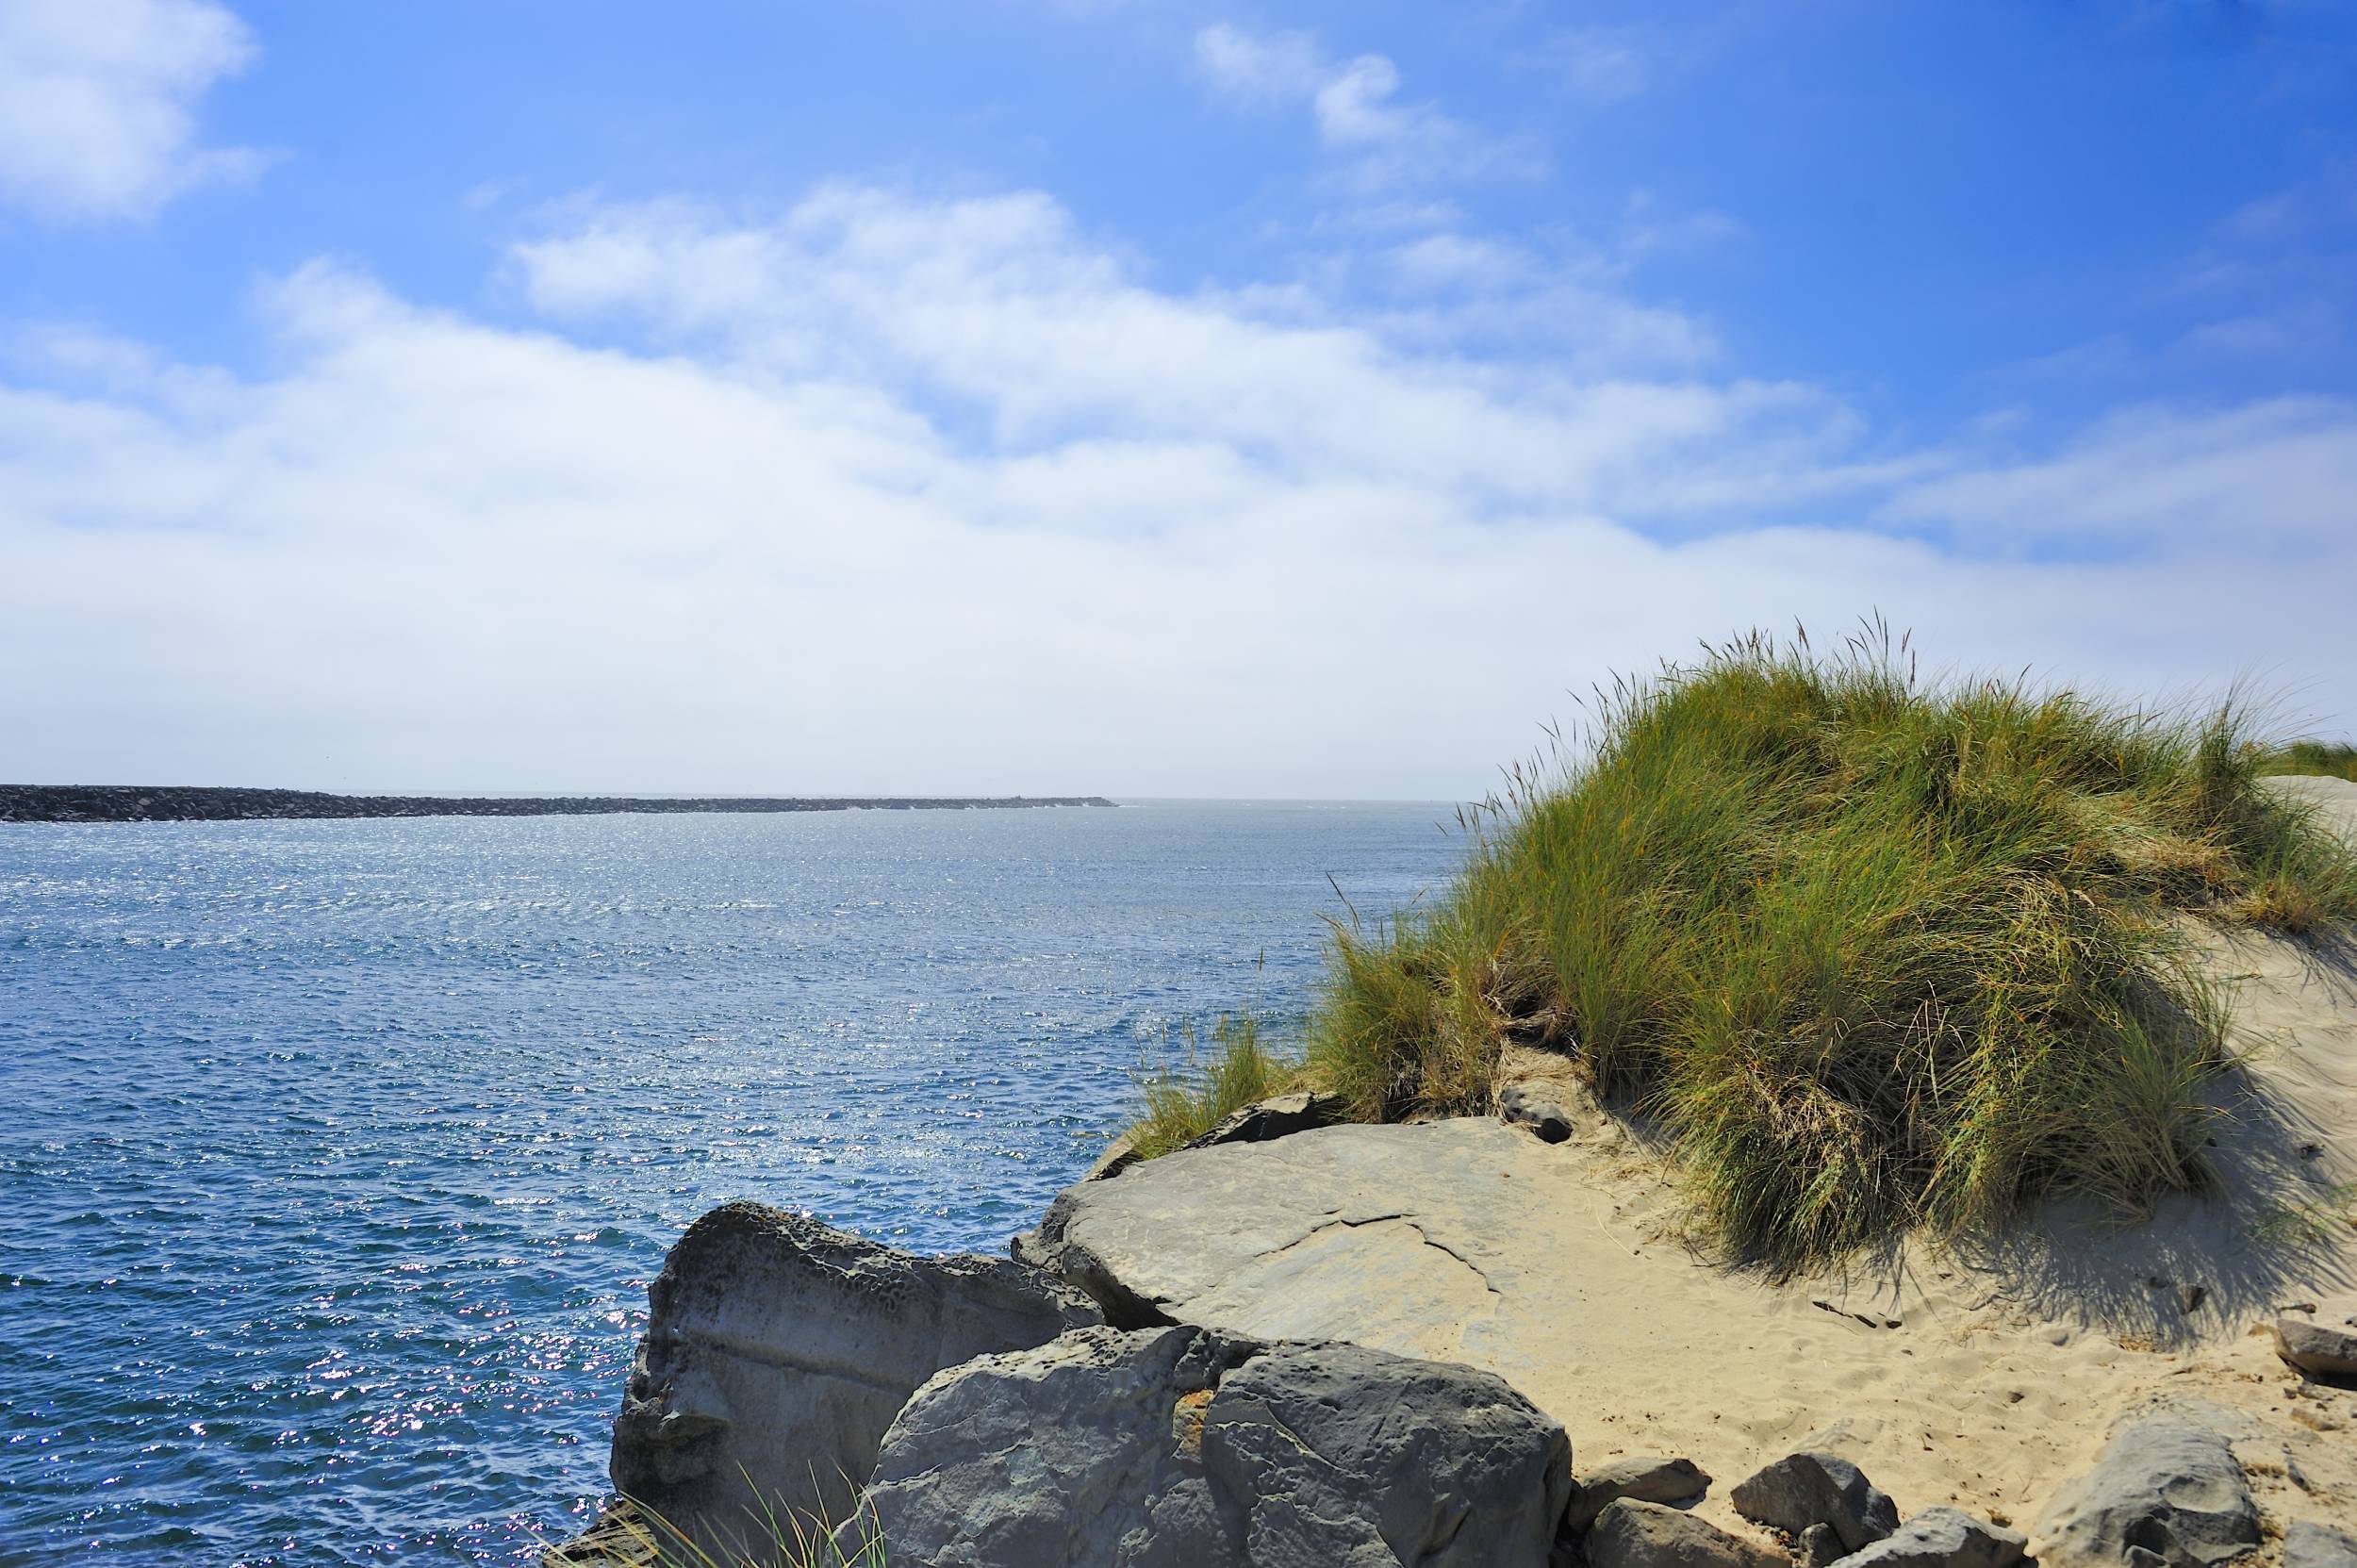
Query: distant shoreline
{"points": [[187, 803]]}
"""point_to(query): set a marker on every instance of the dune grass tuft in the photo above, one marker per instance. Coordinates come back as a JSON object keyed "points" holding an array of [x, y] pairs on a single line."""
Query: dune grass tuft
{"points": [[1184, 1103], [632, 1534], [2332, 759], [1877, 953]]}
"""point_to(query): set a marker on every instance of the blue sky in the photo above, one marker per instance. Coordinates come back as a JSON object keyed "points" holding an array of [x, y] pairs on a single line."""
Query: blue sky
{"points": [[1137, 395]]}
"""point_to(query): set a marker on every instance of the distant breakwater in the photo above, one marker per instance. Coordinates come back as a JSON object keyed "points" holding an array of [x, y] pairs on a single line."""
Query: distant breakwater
{"points": [[180, 804]]}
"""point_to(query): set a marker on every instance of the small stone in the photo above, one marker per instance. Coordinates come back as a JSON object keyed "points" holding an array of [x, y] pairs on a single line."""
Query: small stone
{"points": [[1630, 1534], [2307, 1544], [1943, 1538], [1821, 1546], [1545, 1117], [1646, 1479], [1120, 1156], [1817, 1487], [2324, 1341], [1279, 1116]]}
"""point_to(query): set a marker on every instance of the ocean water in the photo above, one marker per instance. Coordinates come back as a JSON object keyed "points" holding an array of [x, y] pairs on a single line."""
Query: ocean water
{"points": [[337, 1155]]}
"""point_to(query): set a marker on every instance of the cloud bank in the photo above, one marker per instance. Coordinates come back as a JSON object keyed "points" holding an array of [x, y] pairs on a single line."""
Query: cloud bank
{"points": [[887, 492], [97, 103]]}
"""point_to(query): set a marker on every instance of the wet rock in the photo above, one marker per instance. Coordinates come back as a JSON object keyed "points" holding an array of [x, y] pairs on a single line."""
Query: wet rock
{"points": [[1180, 1448], [2307, 1544], [2166, 1489], [778, 1350], [1817, 1488], [1644, 1478], [2320, 1338], [1630, 1534], [1943, 1538]]}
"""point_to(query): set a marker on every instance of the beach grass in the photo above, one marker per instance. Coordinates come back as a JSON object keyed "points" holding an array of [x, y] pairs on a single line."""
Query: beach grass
{"points": [[1186, 1099], [1874, 952], [632, 1534], [2330, 759]]}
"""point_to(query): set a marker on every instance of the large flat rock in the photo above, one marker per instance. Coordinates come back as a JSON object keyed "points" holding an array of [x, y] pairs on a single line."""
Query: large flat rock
{"points": [[1388, 1236], [1982, 1379]]}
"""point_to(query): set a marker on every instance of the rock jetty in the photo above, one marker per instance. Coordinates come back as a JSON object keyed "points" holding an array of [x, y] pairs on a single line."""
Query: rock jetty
{"points": [[178, 803]]}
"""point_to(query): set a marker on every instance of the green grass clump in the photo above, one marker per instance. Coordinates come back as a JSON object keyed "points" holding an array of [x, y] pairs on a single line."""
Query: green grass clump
{"points": [[2332, 759], [1182, 1104], [1876, 954], [632, 1534]]}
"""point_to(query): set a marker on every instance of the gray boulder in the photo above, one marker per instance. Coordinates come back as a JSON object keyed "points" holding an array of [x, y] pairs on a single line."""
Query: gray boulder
{"points": [[1943, 1538], [1817, 1488], [2322, 1340], [1644, 1478], [2166, 1489], [1820, 1547], [1180, 1448], [779, 1349], [2307, 1544], [1630, 1534]]}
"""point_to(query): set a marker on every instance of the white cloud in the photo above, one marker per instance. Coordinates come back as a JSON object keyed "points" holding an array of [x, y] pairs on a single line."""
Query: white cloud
{"points": [[892, 494], [1602, 64], [97, 103], [1379, 139], [2276, 476], [1261, 68]]}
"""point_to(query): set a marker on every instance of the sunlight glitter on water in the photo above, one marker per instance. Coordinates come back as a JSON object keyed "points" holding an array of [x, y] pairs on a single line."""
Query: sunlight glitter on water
{"points": [[346, 1150]]}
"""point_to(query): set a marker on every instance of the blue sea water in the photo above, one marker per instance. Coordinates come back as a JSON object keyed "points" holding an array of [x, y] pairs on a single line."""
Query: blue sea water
{"points": [[337, 1155]]}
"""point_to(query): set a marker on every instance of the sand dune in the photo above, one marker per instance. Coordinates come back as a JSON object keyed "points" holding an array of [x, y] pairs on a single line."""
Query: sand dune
{"points": [[1984, 1374]]}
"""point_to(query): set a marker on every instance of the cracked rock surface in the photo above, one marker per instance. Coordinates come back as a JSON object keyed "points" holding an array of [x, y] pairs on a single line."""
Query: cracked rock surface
{"points": [[1177, 1447], [1384, 1235]]}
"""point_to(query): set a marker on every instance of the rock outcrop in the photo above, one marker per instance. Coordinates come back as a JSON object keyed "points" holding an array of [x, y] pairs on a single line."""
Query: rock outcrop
{"points": [[1630, 1534], [1817, 1488], [2308, 1544], [2167, 1488], [1178, 1447], [1389, 1236], [2320, 1338], [778, 1350], [1943, 1538], [1277, 1117], [1641, 1479]]}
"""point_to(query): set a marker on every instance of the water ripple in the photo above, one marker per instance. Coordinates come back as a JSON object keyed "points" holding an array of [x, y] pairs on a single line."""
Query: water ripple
{"points": [[343, 1151]]}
